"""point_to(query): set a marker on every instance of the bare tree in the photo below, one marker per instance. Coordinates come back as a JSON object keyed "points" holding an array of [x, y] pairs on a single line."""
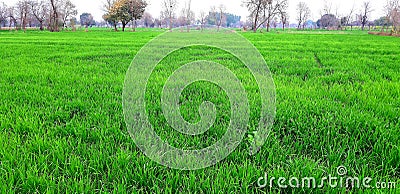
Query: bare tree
{"points": [[272, 9], [283, 14], [67, 10], [107, 5], [54, 15], [396, 20], [188, 14], [213, 15], [169, 8], [12, 18], [41, 11], [339, 22], [137, 8], [3, 15], [203, 19], [217, 15], [23, 7], [221, 16], [263, 11], [255, 8], [366, 10], [59, 12], [391, 9], [327, 9], [348, 17], [303, 14]]}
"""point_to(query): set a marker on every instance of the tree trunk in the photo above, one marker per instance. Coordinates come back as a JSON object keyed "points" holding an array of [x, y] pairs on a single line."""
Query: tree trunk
{"points": [[24, 22], [115, 27], [123, 27], [255, 23], [9, 25], [170, 22], [56, 23], [134, 26]]}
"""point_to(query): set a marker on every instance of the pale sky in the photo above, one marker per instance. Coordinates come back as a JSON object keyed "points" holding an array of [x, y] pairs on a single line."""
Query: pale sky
{"points": [[234, 6]]}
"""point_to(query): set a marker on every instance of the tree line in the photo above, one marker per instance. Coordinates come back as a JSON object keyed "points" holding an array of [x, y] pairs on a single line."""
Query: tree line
{"points": [[55, 15], [270, 13], [52, 15], [123, 12]]}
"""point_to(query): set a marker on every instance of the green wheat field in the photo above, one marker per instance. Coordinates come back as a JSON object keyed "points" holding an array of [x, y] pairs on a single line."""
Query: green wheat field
{"points": [[62, 126]]}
